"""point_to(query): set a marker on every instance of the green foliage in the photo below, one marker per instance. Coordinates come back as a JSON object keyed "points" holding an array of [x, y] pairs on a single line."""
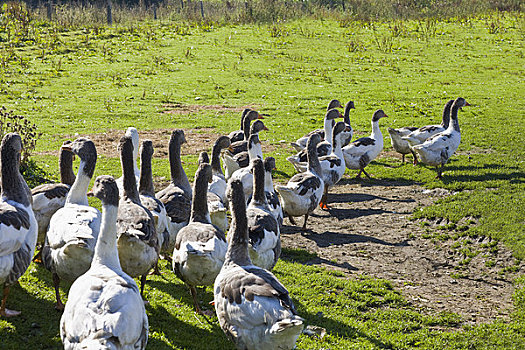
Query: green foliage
{"points": [[10, 122]]}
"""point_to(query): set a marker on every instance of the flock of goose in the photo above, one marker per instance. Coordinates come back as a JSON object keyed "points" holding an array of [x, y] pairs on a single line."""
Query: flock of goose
{"points": [[103, 252]]}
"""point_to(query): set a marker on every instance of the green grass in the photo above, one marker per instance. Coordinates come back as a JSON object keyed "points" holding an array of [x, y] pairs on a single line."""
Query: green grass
{"points": [[89, 80]]}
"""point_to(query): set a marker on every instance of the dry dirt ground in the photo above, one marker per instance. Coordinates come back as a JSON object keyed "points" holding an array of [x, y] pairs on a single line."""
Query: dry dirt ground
{"points": [[368, 231]]}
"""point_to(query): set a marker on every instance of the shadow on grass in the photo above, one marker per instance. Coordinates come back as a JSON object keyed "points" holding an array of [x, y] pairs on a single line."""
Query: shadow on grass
{"points": [[337, 328], [38, 325], [350, 179], [328, 238], [305, 257]]}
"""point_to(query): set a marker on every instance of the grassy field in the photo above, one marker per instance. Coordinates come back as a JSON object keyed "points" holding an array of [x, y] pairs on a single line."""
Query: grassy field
{"points": [[89, 80]]}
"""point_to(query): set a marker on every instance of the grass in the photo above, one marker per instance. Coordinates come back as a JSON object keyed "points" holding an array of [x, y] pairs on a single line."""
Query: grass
{"points": [[85, 80]]}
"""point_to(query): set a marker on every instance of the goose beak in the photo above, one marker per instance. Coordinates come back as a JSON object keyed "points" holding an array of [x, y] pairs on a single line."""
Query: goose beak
{"points": [[262, 115], [265, 128], [230, 148], [347, 128], [67, 148], [467, 104], [341, 115], [90, 194], [385, 116]]}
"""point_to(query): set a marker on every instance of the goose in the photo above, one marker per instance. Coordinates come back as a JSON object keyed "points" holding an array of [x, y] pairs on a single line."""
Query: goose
{"points": [[245, 174], [216, 207], [253, 308], [73, 229], [324, 148], [271, 195], [18, 225], [347, 135], [242, 146], [399, 144], [233, 163], [333, 165], [200, 247], [263, 228], [177, 196], [218, 181], [300, 144], [137, 238], [147, 195], [303, 192], [134, 134], [244, 133], [104, 308], [419, 135], [48, 198], [360, 153], [437, 150]]}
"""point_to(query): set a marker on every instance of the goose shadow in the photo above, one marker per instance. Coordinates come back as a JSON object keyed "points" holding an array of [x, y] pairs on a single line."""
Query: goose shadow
{"points": [[362, 197], [38, 325], [335, 327], [366, 182], [346, 213], [328, 238], [182, 335], [307, 258]]}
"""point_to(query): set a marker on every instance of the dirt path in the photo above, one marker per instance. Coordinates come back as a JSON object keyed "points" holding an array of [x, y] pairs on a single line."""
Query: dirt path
{"points": [[367, 231]]}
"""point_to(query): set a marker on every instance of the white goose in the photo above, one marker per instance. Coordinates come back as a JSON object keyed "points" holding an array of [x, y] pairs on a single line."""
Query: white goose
{"points": [[437, 150], [325, 133], [147, 195], [245, 174], [263, 228], [399, 144], [255, 128], [137, 238], [134, 134], [73, 229], [177, 196], [48, 198], [18, 226], [200, 247], [419, 135], [104, 308], [303, 192], [253, 308], [333, 165], [324, 148], [216, 207], [234, 161], [360, 153]]}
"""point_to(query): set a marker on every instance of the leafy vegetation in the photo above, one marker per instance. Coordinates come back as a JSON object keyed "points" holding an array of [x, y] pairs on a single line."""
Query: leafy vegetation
{"points": [[71, 79]]}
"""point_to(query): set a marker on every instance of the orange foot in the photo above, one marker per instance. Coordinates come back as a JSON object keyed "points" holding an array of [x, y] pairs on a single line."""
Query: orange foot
{"points": [[323, 206]]}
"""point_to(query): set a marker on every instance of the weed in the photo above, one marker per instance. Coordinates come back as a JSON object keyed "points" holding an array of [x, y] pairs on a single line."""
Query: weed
{"points": [[10, 122]]}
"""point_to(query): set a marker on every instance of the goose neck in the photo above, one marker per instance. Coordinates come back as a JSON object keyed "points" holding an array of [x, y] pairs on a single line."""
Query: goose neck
{"points": [[215, 159], [65, 164], [128, 174], [106, 252], [445, 119], [146, 176], [14, 186], [258, 185], [313, 160], [454, 122], [199, 203], [328, 126], [237, 252], [376, 131], [78, 192], [178, 176]]}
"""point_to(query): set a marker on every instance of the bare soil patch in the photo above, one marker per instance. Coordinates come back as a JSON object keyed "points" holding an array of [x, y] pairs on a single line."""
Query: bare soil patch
{"points": [[179, 108], [368, 231]]}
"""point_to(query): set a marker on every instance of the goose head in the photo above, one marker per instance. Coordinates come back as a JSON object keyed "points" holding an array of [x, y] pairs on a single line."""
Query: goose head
{"points": [[332, 114], [147, 149], [334, 104], [378, 115], [105, 188], [12, 146], [204, 158], [339, 127], [85, 149], [257, 126], [178, 136], [222, 142], [134, 134], [269, 164]]}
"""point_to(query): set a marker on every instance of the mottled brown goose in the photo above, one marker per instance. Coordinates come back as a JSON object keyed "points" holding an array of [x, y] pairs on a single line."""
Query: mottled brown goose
{"points": [[18, 226], [253, 308], [137, 239], [104, 308], [200, 247], [176, 197]]}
